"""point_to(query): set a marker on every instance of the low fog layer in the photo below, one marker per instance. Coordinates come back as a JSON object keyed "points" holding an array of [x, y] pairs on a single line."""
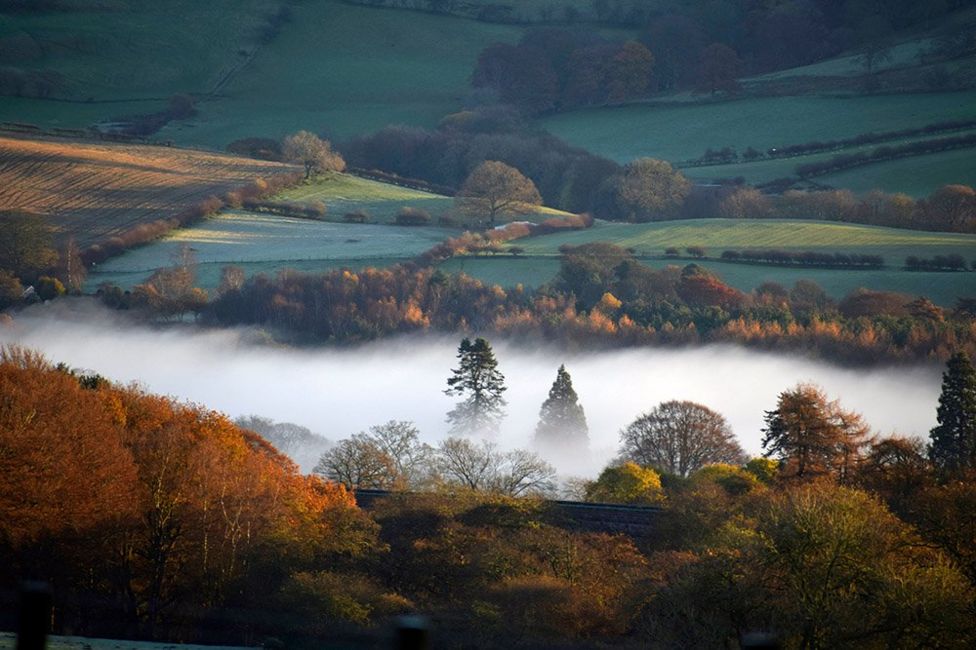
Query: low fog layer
{"points": [[337, 392]]}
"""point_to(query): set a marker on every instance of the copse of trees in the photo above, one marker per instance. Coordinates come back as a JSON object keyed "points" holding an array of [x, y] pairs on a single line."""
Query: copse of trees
{"points": [[565, 177], [558, 69]]}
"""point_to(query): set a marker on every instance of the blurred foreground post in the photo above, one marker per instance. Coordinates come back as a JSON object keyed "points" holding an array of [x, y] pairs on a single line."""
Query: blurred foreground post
{"points": [[412, 633], [35, 616]]}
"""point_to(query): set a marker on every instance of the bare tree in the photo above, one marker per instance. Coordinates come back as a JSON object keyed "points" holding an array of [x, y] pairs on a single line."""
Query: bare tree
{"points": [[481, 467], [314, 153], [388, 456], [357, 463], [679, 438]]}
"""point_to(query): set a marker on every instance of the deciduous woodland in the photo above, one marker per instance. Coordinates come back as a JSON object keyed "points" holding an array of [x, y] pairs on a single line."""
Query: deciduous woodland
{"points": [[160, 520]]}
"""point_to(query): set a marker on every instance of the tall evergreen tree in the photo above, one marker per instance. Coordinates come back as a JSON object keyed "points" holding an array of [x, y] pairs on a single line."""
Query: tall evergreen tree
{"points": [[476, 377], [562, 421], [953, 445]]}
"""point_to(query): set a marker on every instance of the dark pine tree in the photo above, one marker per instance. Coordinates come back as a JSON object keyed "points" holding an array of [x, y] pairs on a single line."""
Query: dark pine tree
{"points": [[478, 379], [562, 422], [953, 446]]}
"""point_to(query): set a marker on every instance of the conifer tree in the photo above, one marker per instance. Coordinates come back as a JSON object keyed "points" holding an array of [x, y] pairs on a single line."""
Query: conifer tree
{"points": [[476, 377], [953, 445], [562, 421]]}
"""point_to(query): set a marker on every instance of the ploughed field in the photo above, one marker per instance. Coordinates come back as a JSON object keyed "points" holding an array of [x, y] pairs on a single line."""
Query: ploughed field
{"points": [[94, 191], [537, 261]]}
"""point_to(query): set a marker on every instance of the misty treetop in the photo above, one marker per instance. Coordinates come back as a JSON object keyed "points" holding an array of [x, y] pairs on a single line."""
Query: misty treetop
{"points": [[953, 446], [562, 421], [478, 380]]}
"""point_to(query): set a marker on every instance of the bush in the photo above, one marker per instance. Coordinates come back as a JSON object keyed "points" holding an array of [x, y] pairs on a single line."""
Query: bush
{"points": [[696, 251], [49, 288], [356, 216], [409, 216]]}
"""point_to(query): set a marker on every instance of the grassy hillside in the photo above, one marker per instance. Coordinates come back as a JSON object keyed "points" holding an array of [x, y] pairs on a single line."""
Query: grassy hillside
{"points": [[917, 176], [93, 191], [332, 67], [539, 261], [343, 193], [125, 49], [344, 70], [684, 131]]}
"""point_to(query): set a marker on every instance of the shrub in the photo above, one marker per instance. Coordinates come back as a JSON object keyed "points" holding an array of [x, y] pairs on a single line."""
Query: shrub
{"points": [[410, 216], [356, 216], [49, 288]]}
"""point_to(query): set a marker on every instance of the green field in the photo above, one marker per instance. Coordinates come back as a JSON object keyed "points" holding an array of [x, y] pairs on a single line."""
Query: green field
{"points": [[917, 176], [684, 131], [333, 68], [343, 193], [344, 70], [539, 261], [262, 243]]}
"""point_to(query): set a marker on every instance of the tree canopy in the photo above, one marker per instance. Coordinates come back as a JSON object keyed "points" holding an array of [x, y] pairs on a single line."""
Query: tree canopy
{"points": [[314, 153], [680, 437], [495, 190], [811, 435]]}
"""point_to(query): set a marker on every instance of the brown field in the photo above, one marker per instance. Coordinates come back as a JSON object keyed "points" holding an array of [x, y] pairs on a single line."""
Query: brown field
{"points": [[107, 193]]}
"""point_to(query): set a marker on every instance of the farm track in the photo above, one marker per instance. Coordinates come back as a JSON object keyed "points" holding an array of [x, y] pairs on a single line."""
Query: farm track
{"points": [[95, 191]]}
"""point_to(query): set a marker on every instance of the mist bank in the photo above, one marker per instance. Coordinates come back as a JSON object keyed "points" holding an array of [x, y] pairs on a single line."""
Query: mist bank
{"points": [[336, 392]]}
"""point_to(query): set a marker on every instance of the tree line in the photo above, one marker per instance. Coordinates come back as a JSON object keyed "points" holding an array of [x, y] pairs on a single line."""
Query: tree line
{"points": [[159, 520], [601, 294]]}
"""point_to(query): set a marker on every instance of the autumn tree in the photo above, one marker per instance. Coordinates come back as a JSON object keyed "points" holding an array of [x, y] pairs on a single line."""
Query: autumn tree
{"points": [[626, 483], [562, 422], [680, 437], [479, 381], [953, 440], [646, 190], [169, 291], [811, 435], [718, 70], [629, 75], [495, 190], [314, 153]]}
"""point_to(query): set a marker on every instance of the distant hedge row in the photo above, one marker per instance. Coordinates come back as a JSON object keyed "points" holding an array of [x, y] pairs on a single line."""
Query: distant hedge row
{"points": [[805, 258], [846, 161], [937, 263]]}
